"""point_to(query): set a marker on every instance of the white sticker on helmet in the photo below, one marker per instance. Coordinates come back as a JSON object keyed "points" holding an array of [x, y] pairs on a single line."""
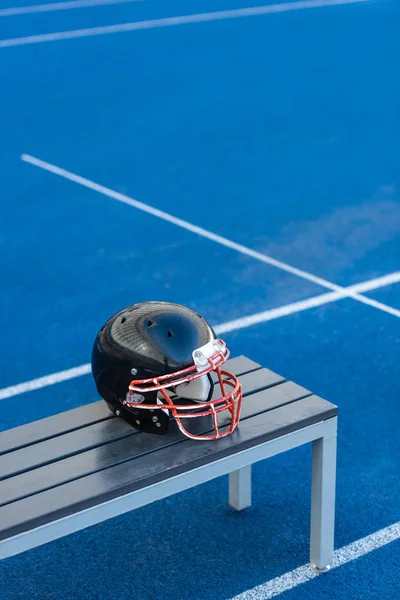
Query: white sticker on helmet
{"points": [[202, 354], [136, 398]]}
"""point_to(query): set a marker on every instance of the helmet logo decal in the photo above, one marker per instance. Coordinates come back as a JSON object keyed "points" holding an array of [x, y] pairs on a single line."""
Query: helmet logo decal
{"points": [[134, 398]]}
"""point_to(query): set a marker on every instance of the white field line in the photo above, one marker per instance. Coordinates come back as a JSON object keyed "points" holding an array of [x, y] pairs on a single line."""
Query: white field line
{"points": [[262, 317], [53, 6], [295, 307], [173, 21], [41, 382], [344, 555], [207, 234]]}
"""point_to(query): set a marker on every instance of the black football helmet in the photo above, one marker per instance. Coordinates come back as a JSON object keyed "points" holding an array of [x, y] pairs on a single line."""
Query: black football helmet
{"points": [[153, 361]]}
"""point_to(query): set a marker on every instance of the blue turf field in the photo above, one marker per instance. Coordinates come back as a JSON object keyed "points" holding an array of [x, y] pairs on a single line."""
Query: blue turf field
{"points": [[280, 132]]}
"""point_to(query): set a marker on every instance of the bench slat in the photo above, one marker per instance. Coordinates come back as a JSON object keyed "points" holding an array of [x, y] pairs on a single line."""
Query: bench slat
{"points": [[64, 445], [20, 437], [239, 365], [151, 468], [126, 449], [95, 412]]}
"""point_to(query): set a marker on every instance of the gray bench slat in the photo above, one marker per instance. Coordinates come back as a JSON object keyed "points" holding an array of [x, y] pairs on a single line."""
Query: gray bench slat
{"points": [[126, 449], [239, 365], [95, 412], [85, 438], [20, 437], [151, 468], [258, 380], [64, 445]]}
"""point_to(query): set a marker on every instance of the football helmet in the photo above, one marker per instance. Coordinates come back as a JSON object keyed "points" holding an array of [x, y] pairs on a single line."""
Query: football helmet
{"points": [[154, 361]]}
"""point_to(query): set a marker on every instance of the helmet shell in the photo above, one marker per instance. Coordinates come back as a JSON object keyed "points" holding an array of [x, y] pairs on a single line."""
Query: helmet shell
{"points": [[145, 340]]}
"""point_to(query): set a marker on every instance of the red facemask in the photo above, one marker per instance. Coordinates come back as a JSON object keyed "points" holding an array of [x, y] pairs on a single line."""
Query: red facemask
{"points": [[223, 410]]}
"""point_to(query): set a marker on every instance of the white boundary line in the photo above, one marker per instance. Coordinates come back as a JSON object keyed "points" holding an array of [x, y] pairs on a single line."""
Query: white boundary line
{"points": [[207, 234], [295, 307], [262, 317], [344, 555], [41, 382], [173, 21], [53, 6]]}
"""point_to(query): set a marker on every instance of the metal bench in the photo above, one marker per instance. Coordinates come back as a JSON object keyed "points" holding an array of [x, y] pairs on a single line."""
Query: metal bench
{"points": [[78, 468]]}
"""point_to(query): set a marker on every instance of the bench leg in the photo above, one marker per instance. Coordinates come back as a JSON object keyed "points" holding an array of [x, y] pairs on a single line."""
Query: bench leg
{"points": [[240, 488], [323, 503]]}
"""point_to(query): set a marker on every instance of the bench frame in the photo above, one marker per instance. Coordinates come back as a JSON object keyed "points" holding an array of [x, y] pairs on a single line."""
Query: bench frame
{"points": [[238, 466]]}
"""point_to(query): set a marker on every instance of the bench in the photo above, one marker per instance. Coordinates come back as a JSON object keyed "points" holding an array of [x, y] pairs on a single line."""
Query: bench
{"points": [[78, 468]]}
